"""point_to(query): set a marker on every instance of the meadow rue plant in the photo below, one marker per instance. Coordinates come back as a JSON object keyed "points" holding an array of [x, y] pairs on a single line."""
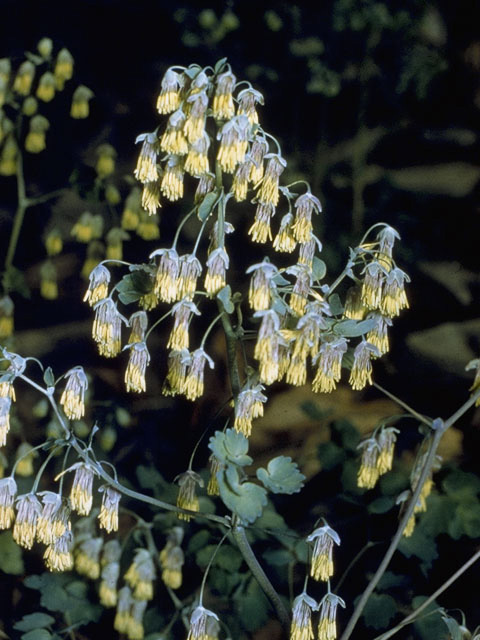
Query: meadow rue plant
{"points": [[211, 152]]}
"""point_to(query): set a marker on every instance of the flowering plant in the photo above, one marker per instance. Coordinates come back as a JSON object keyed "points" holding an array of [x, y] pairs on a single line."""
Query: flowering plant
{"points": [[211, 143]]}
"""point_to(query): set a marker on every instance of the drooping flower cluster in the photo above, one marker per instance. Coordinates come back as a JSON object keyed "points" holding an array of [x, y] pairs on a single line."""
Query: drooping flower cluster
{"points": [[172, 559], [377, 456], [306, 325], [304, 606]]}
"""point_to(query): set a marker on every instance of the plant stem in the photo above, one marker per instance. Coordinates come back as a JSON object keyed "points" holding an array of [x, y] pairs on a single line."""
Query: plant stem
{"points": [[210, 562], [412, 412], [22, 206], [410, 618], [245, 549], [231, 338], [83, 453], [365, 548], [440, 429], [344, 273]]}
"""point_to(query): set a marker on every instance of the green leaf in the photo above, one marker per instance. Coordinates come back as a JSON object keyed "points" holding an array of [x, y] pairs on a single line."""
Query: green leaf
{"points": [[429, 626], [453, 627], [455, 527], [77, 588], [11, 559], [381, 505], [469, 514], [60, 593], [14, 280], [278, 558], [379, 610], [280, 281], [219, 64], [330, 455], [314, 411], [55, 598], [134, 285], [353, 329], [223, 582], [281, 476], [37, 634], [270, 523], [302, 551], [148, 477], [349, 477], [253, 607], [230, 446], [390, 580], [198, 540], [394, 482], [225, 297], [206, 206], [420, 546], [192, 71], [227, 557], [439, 515], [245, 499], [34, 621], [48, 377], [461, 485], [319, 268], [349, 435], [336, 306]]}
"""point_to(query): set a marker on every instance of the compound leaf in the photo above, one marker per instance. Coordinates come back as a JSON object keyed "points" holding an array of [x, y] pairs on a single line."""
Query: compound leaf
{"points": [[34, 621], [11, 560], [225, 297], [379, 610], [230, 446], [207, 204], [245, 499], [281, 476]]}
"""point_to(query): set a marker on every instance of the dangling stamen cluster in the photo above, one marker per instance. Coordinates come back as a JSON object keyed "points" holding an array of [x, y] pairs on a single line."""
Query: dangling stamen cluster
{"points": [[322, 564], [73, 396], [187, 497], [172, 559]]}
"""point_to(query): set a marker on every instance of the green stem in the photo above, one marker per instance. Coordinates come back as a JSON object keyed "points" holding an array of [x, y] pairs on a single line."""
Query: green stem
{"points": [[209, 328], [411, 411], [32, 202], [231, 340], [412, 617], [64, 465], [83, 453], [439, 429], [254, 566], [156, 323], [343, 274], [365, 548], [42, 469], [25, 455], [179, 228], [207, 569], [19, 214]]}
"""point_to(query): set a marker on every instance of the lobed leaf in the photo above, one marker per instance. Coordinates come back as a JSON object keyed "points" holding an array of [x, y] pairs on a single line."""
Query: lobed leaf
{"points": [[245, 499], [230, 446], [281, 475], [34, 621]]}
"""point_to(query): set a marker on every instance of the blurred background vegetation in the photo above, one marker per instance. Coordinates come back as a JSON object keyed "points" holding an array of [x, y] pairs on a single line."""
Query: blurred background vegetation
{"points": [[377, 105]]}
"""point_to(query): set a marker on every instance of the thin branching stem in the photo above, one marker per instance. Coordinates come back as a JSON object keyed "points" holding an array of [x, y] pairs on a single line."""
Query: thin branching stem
{"points": [[22, 206], [246, 550], [414, 615], [439, 429], [403, 404], [84, 454]]}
